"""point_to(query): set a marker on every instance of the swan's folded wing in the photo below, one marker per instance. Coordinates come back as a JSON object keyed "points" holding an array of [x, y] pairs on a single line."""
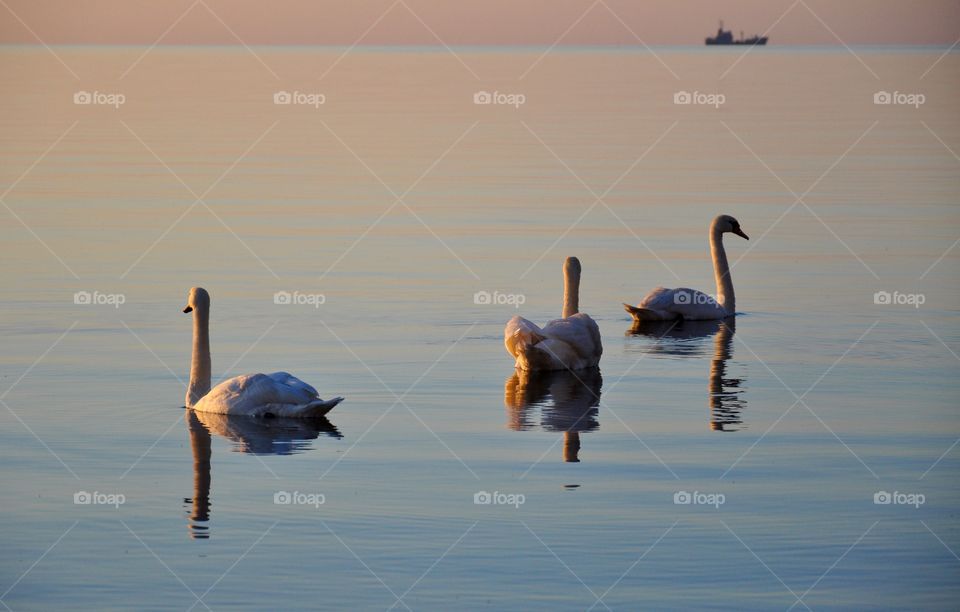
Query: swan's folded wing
{"points": [[579, 331], [661, 298], [520, 331], [684, 303], [284, 378]]}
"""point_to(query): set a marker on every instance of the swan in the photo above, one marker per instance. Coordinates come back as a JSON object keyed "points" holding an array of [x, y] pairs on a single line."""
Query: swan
{"points": [[664, 304], [259, 395], [570, 343]]}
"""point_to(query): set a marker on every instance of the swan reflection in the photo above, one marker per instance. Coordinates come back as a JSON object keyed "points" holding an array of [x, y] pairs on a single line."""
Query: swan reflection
{"points": [[558, 401], [249, 435], [685, 339]]}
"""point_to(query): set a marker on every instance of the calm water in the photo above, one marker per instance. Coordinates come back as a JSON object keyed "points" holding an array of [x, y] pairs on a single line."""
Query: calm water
{"points": [[398, 200]]}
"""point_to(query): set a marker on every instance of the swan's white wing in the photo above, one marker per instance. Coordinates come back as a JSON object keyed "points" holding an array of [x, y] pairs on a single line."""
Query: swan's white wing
{"points": [[684, 303], [520, 332], [285, 378], [255, 393], [580, 332]]}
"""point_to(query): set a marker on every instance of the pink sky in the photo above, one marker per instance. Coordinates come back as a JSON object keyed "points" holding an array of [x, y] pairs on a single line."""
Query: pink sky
{"points": [[472, 22]]}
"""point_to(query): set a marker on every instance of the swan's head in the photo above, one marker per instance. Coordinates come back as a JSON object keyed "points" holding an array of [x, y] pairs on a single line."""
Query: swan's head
{"points": [[198, 299], [572, 266], [726, 224]]}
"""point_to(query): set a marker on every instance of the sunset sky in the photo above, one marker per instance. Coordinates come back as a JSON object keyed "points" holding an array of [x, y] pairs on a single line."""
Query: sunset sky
{"points": [[462, 22]]}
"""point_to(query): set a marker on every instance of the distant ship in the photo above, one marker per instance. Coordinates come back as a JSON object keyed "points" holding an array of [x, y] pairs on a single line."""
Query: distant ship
{"points": [[726, 38]]}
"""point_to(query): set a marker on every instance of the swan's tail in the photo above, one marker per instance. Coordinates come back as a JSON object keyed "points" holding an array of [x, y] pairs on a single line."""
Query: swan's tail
{"points": [[320, 407], [643, 314]]}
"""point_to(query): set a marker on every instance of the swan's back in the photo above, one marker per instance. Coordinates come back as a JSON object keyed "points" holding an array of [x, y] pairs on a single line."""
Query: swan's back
{"points": [[571, 343], [683, 303], [276, 394]]}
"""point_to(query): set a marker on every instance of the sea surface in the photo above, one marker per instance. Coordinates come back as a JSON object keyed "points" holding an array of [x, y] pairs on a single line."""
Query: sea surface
{"points": [[376, 243]]}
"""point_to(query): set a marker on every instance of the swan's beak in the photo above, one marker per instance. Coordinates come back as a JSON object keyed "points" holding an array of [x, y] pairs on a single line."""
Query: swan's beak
{"points": [[188, 309], [739, 232]]}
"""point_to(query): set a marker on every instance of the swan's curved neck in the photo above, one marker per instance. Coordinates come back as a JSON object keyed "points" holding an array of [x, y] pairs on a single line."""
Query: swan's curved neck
{"points": [[721, 270], [200, 362], [571, 293]]}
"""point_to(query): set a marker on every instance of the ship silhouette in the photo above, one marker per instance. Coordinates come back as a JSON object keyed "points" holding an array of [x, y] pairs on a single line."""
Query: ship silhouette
{"points": [[725, 37]]}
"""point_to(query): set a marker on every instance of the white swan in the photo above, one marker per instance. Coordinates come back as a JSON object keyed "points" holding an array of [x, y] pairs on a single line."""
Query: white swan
{"points": [[664, 304], [570, 343], [260, 395]]}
